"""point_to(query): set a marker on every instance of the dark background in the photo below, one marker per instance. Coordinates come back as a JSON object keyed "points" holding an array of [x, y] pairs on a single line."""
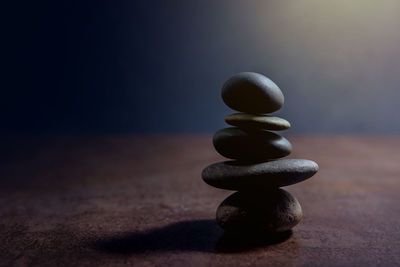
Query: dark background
{"points": [[158, 66]]}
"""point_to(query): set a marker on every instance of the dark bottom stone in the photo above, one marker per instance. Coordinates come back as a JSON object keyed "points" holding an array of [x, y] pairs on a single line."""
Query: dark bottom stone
{"points": [[259, 212]]}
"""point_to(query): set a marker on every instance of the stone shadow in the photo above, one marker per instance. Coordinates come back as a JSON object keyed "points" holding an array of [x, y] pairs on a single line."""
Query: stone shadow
{"points": [[196, 235]]}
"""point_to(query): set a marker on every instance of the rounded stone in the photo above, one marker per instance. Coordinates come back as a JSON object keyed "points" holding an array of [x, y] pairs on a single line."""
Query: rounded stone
{"points": [[269, 211], [257, 145], [235, 175], [252, 93], [251, 121]]}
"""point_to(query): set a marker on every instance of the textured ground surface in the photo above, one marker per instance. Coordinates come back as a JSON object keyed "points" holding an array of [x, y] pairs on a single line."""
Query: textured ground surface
{"points": [[124, 200]]}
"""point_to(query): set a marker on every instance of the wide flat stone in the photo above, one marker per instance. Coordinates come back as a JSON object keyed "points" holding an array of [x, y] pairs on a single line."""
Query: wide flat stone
{"points": [[268, 211], [252, 93], [251, 121], [233, 175], [256, 145]]}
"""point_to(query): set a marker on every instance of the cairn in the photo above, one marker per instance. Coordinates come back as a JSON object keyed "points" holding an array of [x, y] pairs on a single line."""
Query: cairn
{"points": [[255, 171]]}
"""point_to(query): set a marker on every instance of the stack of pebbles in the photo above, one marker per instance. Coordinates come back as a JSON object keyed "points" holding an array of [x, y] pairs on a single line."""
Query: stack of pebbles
{"points": [[256, 173]]}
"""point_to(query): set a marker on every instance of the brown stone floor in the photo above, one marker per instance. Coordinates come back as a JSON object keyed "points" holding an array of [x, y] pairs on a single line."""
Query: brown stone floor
{"points": [[125, 200]]}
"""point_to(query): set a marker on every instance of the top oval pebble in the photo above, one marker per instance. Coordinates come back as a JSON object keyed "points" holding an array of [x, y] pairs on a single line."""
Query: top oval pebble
{"points": [[252, 92]]}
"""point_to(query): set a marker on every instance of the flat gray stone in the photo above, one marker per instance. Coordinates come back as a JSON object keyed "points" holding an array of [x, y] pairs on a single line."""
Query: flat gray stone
{"points": [[251, 121], [251, 92], [257, 145], [268, 211], [233, 175]]}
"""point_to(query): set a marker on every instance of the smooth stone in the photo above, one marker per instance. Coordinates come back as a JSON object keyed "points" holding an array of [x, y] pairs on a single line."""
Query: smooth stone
{"points": [[257, 145], [268, 211], [251, 121], [252, 92], [234, 175]]}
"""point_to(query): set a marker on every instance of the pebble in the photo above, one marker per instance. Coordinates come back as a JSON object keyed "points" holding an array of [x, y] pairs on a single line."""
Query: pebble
{"points": [[252, 93], [234, 175], [269, 211], [257, 145], [251, 121]]}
